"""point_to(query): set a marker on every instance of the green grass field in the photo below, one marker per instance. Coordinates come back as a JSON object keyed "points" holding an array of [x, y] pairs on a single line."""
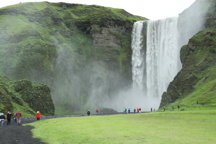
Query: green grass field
{"points": [[194, 127]]}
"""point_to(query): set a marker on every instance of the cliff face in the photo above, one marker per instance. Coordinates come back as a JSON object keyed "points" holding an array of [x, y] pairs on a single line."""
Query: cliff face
{"points": [[37, 96], [81, 52], [194, 86], [25, 96]]}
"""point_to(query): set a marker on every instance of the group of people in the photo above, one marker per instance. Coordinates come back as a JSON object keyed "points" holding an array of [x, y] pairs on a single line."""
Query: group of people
{"points": [[135, 110], [16, 117]]}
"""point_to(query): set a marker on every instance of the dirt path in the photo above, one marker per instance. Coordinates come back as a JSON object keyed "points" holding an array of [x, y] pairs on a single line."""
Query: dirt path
{"points": [[14, 134]]}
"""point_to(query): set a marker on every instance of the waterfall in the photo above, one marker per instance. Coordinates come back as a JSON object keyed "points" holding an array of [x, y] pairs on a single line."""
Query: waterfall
{"points": [[138, 55], [155, 57], [162, 55], [156, 50]]}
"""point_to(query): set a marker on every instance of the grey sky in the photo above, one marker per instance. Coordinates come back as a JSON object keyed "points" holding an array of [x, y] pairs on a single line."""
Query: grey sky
{"points": [[152, 9]]}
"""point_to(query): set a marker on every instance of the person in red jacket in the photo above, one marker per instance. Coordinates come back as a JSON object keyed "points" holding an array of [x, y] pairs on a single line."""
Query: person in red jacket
{"points": [[18, 117], [97, 111], [38, 115]]}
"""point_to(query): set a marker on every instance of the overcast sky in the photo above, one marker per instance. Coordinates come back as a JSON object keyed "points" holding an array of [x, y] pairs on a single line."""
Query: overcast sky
{"points": [[152, 9]]}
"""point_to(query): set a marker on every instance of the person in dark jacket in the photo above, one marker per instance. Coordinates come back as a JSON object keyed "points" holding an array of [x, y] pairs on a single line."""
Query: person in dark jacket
{"points": [[88, 113], [9, 116]]}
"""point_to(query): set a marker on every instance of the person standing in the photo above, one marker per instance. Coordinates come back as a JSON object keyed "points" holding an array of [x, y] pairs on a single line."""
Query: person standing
{"points": [[18, 117], [164, 108], [38, 115], [97, 111], [2, 119], [128, 110], [14, 118], [178, 107], [125, 111], [88, 112], [9, 116]]}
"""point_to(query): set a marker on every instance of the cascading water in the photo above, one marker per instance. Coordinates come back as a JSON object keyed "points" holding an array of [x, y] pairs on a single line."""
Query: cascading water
{"points": [[162, 55], [155, 58], [138, 55]]}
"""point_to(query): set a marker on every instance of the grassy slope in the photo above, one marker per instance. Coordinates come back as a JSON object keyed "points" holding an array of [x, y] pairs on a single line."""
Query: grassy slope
{"points": [[25, 96], [12, 101], [195, 85], [203, 96], [153, 128]]}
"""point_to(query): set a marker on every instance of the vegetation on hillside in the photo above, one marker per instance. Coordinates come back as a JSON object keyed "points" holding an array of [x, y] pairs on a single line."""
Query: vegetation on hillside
{"points": [[31, 33], [25, 96], [195, 85]]}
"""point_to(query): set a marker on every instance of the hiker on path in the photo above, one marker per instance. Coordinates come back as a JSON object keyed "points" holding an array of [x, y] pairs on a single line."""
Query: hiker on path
{"points": [[97, 111], [9, 116], [125, 111], [164, 108], [173, 108], [18, 117], [38, 115], [2, 119], [14, 118], [178, 107], [88, 113], [128, 110]]}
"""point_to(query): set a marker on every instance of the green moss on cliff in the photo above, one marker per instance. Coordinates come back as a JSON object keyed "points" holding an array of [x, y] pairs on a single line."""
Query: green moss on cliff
{"points": [[37, 96], [194, 86], [25, 96], [31, 33]]}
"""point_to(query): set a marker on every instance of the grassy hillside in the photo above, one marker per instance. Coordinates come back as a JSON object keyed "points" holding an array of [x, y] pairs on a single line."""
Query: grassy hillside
{"points": [[194, 86], [25, 96], [31, 33], [196, 127]]}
